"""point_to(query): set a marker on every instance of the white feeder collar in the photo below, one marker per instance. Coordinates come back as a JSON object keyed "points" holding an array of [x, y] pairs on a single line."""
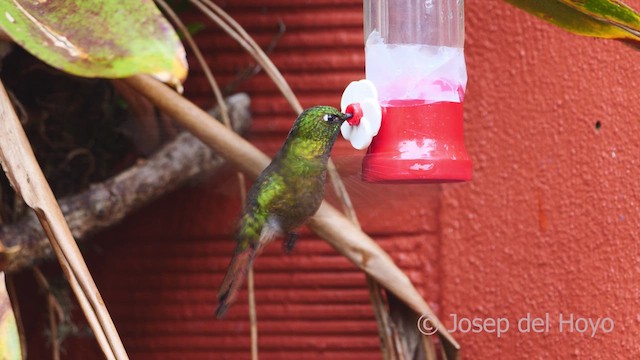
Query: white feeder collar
{"points": [[360, 99]]}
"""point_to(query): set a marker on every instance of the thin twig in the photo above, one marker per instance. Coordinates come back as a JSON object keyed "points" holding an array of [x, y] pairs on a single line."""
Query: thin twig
{"points": [[53, 328], [253, 315], [253, 70], [251, 285], [231, 27], [387, 341], [224, 112], [55, 312], [44, 285]]}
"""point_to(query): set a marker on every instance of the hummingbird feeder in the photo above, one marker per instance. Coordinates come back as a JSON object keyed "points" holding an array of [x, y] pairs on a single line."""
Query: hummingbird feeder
{"points": [[408, 111]]}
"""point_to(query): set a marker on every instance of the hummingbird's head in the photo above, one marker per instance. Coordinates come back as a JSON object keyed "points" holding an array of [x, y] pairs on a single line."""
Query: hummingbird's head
{"points": [[320, 123]]}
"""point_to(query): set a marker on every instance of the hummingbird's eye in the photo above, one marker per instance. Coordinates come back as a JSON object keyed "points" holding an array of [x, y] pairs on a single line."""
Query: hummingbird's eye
{"points": [[329, 117]]}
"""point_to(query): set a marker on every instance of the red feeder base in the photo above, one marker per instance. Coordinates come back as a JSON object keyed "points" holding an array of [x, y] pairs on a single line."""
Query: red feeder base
{"points": [[418, 143]]}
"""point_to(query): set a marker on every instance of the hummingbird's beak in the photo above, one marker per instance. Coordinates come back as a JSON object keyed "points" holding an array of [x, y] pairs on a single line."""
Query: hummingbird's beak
{"points": [[346, 117]]}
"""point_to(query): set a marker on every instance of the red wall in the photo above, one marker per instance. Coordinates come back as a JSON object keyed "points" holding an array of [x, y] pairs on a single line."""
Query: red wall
{"points": [[550, 222], [548, 225]]}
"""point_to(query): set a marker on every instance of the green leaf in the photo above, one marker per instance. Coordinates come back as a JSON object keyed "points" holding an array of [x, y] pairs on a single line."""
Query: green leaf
{"points": [[9, 337], [597, 18], [97, 38], [614, 12]]}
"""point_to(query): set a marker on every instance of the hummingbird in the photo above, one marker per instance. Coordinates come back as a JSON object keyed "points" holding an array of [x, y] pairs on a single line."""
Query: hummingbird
{"points": [[285, 195]]}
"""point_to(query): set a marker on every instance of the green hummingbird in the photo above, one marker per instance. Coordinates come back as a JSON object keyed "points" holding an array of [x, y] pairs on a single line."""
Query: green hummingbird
{"points": [[285, 194]]}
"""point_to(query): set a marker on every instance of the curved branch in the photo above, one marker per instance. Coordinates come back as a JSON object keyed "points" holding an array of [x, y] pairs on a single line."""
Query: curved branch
{"points": [[328, 222]]}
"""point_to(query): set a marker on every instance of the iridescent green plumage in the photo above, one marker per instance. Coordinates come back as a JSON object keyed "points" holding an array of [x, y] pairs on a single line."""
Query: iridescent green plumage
{"points": [[285, 195]]}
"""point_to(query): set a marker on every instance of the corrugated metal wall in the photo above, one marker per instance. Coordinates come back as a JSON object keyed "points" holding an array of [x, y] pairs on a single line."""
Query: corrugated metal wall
{"points": [[160, 270]]}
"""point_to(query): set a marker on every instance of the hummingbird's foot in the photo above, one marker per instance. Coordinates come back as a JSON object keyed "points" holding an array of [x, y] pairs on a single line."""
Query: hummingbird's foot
{"points": [[289, 242]]}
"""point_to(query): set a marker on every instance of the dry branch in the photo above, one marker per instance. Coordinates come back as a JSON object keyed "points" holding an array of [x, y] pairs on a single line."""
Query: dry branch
{"points": [[328, 222], [106, 203]]}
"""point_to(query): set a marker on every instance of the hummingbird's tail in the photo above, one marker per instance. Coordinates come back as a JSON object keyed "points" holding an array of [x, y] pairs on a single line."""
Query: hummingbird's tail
{"points": [[249, 244], [234, 279]]}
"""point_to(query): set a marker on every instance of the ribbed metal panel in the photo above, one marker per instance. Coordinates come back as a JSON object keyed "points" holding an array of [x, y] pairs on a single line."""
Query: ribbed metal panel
{"points": [[311, 304]]}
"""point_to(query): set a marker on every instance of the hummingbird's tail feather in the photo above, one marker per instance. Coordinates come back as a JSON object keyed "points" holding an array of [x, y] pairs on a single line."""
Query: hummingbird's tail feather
{"points": [[249, 246], [234, 279]]}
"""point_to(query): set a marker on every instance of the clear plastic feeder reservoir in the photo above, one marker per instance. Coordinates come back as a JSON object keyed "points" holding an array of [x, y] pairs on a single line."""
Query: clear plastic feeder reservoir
{"points": [[415, 59]]}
